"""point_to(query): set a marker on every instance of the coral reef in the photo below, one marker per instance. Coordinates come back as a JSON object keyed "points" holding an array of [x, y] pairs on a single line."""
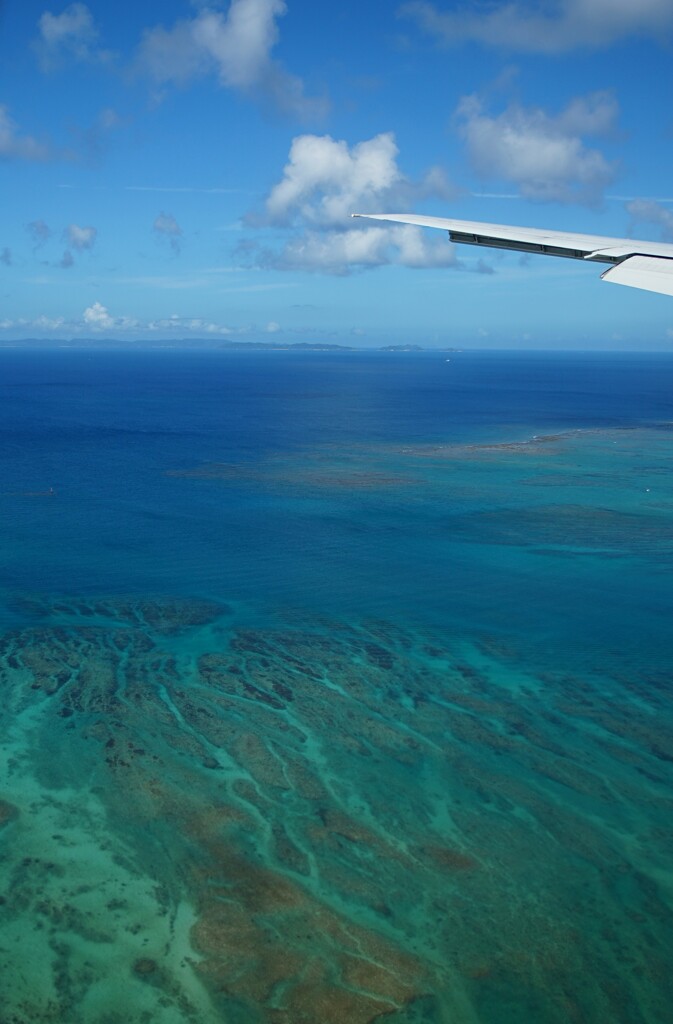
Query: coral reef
{"points": [[362, 819]]}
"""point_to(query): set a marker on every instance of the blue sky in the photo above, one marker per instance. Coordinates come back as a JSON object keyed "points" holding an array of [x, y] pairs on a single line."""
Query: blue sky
{"points": [[185, 170]]}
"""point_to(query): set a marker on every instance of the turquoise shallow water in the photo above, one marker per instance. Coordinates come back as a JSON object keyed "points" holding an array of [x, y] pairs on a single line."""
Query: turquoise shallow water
{"points": [[336, 690]]}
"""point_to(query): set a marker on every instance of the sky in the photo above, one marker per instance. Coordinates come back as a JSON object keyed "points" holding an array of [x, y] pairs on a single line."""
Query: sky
{"points": [[181, 170]]}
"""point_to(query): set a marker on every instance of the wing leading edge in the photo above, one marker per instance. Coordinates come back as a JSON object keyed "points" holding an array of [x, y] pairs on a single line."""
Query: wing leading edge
{"points": [[647, 265]]}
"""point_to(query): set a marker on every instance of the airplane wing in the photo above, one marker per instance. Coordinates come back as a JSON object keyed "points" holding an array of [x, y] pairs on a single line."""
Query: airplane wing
{"points": [[647, 265]]}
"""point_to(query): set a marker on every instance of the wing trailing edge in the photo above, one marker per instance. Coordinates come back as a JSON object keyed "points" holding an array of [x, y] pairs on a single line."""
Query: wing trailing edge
{"points": [[635, 263]]}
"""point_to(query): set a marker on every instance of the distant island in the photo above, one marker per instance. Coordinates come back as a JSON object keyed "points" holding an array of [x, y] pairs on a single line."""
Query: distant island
{"points": [[207, 344], [401, 348]]}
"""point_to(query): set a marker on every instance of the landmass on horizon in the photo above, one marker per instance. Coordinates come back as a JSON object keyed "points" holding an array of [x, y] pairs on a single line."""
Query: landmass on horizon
{"points": [[206, 343]]}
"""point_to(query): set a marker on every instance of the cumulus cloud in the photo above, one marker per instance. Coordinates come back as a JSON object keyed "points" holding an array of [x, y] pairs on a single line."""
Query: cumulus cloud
{"points": [[543, 154], [554, 27], [647, 211], [6, 256], [41, 322], [14, 145], [80, 238], [236, 47], [39, 232], [342, 252], [71, 35], [323, 182], [166, 226], [76, 237], [97, 319], [241, 42]]}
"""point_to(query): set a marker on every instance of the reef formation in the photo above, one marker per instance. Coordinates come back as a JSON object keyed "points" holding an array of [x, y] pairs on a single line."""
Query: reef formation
{"points": [[306, 820]]}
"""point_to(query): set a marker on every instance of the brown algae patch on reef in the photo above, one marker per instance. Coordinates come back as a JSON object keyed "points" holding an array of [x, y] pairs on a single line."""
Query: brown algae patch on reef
{"points": [[261, 931], [353, 473], [144, 966], [8, 812]]}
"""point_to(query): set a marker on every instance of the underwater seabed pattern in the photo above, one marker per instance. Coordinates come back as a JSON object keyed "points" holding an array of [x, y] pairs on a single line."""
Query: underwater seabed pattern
{"points": [[279, 816]]}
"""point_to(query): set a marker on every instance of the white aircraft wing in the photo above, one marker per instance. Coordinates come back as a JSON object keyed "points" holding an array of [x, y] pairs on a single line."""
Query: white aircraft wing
{"points": [[639, 264]]}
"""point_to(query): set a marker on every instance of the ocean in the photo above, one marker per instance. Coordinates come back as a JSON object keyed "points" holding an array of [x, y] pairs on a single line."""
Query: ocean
{"points": [[336, 687]]}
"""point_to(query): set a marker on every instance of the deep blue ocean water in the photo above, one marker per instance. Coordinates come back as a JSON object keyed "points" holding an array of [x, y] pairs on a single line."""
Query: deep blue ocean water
{"points": [[336, 686]]}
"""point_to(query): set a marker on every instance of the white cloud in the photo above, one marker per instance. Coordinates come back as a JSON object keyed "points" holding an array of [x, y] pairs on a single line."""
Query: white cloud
{"points": [[97, 319], [647, 211], [13, 145], [325, 180], [172, 55], [71, 35], [272, 327], [543, 154], [50, 323], [75, 236], [235, 46], [341, 252], [194, 325], [242, 41], [97, 316], [594, 114], [553, 27], [166, 226], [81, 238]]}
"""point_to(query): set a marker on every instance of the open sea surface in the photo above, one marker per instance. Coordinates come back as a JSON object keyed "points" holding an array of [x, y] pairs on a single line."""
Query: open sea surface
{"points": [[335, 688]]}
